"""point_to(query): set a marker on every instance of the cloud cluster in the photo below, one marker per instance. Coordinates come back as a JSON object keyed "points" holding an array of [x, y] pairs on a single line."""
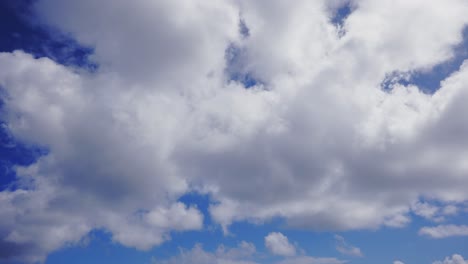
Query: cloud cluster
{"points": [[317, 141]]}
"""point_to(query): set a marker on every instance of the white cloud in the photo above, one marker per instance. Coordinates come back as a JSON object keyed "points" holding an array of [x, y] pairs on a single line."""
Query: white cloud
{"points": [[398, 262], [95, 175], [386, 127], [278, 244], [344, 248], [319, 144], [455, 259], [444, 231]]}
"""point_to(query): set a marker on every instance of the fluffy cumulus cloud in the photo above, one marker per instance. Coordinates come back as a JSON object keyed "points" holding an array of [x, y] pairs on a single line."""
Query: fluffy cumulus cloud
{"points": [[279, 244], [455, 259], [316, 141], [344, 154], [89, 179]]}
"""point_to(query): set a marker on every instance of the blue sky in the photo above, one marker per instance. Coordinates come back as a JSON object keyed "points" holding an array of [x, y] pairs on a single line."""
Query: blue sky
{"points": [[314, 132]]}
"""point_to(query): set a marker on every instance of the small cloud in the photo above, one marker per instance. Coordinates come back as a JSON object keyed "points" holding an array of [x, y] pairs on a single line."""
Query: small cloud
{"points": [[398, 262], [425, 210], [450, 210], [344, 248], [278, 244]]}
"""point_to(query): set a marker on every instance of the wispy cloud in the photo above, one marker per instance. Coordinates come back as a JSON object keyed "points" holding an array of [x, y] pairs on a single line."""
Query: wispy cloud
{"points": [[345, 248]]}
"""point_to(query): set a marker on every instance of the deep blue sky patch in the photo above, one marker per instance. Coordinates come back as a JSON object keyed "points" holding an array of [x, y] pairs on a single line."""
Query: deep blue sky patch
{"points": [[19, 29]]}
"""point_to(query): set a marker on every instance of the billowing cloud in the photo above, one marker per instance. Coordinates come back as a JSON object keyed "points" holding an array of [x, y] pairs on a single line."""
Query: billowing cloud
{"points": [[317, 141], [444, 231], [89, 179], [279, 244]]}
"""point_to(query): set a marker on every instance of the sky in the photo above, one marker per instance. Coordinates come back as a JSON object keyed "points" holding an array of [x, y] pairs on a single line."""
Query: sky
{"points": [[234, 131]]}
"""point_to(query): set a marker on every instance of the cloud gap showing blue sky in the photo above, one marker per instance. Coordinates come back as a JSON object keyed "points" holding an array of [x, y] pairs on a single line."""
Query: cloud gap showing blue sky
{"points": [[340, 15], [429, 80]]}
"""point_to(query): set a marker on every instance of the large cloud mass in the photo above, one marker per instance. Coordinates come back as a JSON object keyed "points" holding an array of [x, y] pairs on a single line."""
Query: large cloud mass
{"points": [[317, 141]]}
